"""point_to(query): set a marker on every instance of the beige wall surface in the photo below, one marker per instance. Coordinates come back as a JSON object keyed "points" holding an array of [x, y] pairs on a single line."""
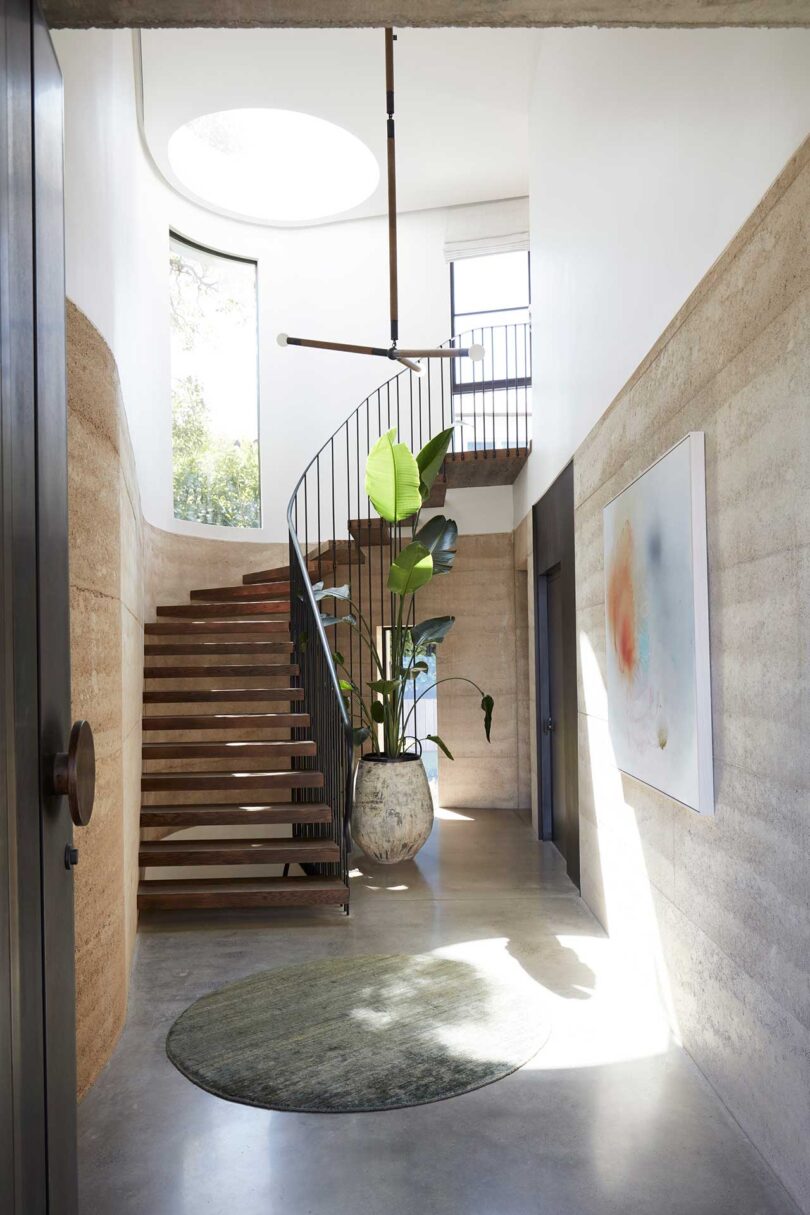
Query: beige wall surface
{"points": [[720, 906], [176, 564], [106, 641], [489, 644]]}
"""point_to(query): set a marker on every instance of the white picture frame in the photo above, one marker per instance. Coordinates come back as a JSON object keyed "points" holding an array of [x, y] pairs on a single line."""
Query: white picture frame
{"points": [[657, 627]]}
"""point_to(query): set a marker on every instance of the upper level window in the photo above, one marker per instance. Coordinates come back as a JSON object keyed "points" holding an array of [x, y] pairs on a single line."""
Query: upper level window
{"points": [[214, 382], [490, 300]]}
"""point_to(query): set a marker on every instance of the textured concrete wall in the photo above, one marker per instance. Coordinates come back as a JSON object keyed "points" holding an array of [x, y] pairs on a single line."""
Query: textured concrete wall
{"points": [[85, 13], [484, 645], [720, 907], [106, 636], [176, 564]]}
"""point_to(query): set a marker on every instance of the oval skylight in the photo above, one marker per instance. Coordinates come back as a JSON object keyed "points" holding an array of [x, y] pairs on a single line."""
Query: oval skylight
{"points": [[273, 165]]}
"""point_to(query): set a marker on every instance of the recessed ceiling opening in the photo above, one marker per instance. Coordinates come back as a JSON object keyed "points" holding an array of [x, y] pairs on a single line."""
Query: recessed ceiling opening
{"points": [[273, 165]]}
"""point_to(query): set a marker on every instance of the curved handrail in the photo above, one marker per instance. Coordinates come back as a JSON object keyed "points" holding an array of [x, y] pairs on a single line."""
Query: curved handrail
{"points": [[500, 353], [304, 566]]}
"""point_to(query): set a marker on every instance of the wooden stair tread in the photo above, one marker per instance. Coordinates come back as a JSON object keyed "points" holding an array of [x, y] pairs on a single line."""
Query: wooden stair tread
{"points": [[225, 750], [229, 815], [224, 721], [336, 552], [224, 611], [281, 572], [269, 669], [468, 469], [369, 532], [172, 650], [237, 851], [178, 628], [241, 892], [157, 782], [193, 695], [243, 593]]}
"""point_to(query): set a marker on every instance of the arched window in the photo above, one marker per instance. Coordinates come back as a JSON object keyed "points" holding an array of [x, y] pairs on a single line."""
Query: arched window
{"points": [[215, 386]]}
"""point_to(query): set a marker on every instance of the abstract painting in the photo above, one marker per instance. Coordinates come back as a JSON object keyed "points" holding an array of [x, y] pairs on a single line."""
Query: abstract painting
{"points": [[657, 617]]}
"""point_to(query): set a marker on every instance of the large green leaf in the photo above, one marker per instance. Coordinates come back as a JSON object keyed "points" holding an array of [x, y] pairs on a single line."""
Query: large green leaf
{"points": [[392, 479], [319, 592], [385, 686], [439, 537], [412, 568], [487, 705], [430, 459], [377, 712], [440, 744], [432, 631]]}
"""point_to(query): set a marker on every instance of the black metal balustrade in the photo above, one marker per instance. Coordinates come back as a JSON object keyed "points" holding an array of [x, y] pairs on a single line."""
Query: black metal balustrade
{"points": [[335, 536]]}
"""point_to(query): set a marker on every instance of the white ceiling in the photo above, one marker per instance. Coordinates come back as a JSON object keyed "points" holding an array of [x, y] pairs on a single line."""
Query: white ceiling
{"points": [[461, 99]]}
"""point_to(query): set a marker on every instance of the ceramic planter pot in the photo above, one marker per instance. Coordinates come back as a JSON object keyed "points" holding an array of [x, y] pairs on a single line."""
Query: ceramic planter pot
{"points": [[392, 813]]}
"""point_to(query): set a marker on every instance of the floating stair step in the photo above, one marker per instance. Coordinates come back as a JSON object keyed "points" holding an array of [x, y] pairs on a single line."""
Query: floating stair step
{"points": [[243, 594], [155, 782], [336, 552], [232, 815], [226, 750], [194, 695], [269, 669], [196, 628], [225, 611], [369, 532], [467, 469], [217, 647], [237, 852], [241, 892], [279, 573], [226, 721]]}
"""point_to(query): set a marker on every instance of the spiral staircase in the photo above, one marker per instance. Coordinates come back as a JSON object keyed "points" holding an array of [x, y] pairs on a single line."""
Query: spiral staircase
{"points": [[247, 738]]}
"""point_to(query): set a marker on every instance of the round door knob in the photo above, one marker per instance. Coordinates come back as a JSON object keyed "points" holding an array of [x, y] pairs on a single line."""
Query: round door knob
{"points": [[74, 773]]}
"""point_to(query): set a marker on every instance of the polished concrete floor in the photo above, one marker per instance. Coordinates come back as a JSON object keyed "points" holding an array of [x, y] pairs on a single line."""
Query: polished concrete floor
{"points": [[610, 1118]]}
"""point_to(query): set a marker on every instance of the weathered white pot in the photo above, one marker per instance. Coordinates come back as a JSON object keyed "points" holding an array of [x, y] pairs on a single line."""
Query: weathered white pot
{"points": [[392, 814]]}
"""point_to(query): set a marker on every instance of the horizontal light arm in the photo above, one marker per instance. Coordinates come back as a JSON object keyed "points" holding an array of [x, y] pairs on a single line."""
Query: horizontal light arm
{"points": [[476, 353], [406, 357]]}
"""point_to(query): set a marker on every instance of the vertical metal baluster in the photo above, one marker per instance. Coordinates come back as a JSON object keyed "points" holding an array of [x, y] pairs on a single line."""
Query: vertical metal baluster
{"points": [[355, 640], [369, 551]]}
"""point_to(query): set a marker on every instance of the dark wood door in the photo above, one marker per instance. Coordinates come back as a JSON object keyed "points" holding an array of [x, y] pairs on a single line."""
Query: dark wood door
{"points": [[555, 723], [37, 1033], [556, 669]]}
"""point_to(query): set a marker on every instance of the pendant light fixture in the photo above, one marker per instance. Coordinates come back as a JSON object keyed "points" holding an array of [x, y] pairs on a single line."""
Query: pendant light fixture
{"points": [[407, 356]]}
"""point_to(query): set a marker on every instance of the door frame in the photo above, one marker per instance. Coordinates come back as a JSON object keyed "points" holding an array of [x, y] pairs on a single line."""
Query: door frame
{"points": [[554, 551], [37, 1006]]}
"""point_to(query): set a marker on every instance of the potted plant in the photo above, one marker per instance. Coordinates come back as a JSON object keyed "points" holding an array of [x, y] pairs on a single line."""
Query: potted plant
{"points": [[392, 813]]}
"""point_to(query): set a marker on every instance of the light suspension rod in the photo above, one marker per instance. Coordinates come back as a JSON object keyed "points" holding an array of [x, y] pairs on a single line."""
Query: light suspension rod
{"points": [[405, 357], [392, 188]]}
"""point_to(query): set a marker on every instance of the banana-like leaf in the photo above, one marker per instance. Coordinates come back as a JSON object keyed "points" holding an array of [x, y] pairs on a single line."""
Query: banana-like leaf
{"points": [[487, 705], [440, 744], [327, 620], [377, 712], [432, 631], [439, 537], [385, 686], [392, 479], [430, 459], [411, 568], [319, 592]]}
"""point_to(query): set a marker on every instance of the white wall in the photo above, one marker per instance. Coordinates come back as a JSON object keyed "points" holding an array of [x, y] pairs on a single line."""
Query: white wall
{"points": [[648, 149], [116, 240], [329, 281]]}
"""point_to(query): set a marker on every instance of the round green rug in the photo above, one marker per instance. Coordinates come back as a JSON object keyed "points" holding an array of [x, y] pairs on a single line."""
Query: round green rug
{"points": [[360, 1034]]}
